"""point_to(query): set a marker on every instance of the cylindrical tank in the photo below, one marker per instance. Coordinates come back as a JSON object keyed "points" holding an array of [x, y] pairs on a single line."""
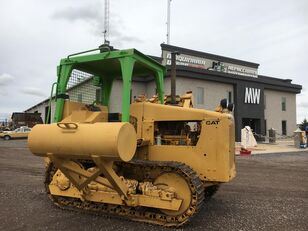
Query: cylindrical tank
{"points": [[80, 140]]}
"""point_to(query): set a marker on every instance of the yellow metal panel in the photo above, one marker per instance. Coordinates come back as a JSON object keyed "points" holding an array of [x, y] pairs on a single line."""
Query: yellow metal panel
{"points": [[213, 156], [114, 198], [70, 106], [136, 110], [148, 131], [159, 112]]}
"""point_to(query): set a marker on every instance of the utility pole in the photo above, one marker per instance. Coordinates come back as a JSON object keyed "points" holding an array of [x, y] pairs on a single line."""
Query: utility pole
{"points": [[106, 23], [168, 21]]}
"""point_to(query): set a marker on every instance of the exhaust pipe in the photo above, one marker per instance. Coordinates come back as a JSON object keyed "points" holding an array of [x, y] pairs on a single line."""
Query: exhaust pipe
{"points": [[173, 76]]}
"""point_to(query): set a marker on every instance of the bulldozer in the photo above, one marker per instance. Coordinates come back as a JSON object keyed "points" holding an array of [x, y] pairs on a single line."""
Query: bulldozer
{"points": [[151, 162]]}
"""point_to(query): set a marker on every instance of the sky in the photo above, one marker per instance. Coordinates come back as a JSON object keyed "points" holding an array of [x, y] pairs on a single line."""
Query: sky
{"points": [[36, 34]]}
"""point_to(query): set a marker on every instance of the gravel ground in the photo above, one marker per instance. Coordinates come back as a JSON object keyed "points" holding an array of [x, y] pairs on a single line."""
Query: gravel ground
{"points": [[270, 192]]}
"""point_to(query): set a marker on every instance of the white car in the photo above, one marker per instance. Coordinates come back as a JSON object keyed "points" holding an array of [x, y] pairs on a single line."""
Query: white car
{"points": [[18, 133]]}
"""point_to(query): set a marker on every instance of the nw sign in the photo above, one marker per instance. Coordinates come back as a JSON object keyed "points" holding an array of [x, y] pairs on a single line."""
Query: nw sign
{"points": [[252, 95]]}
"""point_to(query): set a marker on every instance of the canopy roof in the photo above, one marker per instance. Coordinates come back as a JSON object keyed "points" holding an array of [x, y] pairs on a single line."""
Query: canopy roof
{"points": [[107, 63], [107, 66]]}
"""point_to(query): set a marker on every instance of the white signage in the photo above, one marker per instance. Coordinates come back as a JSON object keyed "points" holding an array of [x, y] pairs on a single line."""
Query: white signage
{"points": [[242, 71], [186, 60], [210, 64], [252, 95], [232, 69]]}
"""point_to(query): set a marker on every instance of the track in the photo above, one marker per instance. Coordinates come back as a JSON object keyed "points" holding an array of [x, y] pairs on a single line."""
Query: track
{"points": [[143, 214]]}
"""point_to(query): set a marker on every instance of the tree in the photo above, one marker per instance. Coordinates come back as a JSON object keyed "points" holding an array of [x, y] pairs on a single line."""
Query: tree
{"points": [[303, 124]]}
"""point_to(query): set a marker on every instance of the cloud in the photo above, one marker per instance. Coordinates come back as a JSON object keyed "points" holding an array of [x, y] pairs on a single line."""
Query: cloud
{"points": [[86, 12], [3, 92], [93, 14], [303, 104], [4, 116], [6, 79], [33, 91]]}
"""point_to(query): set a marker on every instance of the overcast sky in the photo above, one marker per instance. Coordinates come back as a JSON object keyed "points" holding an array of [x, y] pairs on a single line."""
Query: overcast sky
{"points": [[35, 34]]}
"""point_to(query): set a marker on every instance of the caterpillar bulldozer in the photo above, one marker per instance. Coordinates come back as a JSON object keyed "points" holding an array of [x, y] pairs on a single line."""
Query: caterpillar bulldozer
{"points": [[151, 162]]}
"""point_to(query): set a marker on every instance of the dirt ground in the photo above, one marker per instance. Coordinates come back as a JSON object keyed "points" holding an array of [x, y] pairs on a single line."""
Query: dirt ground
{"points": [[270, 192]]}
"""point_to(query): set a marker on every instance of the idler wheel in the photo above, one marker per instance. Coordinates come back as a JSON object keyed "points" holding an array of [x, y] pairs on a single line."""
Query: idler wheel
{"points": [[181, 187]]}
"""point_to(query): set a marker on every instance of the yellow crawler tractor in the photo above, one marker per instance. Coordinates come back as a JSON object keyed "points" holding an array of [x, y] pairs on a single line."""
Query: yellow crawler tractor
{"points": [[152, 162]]}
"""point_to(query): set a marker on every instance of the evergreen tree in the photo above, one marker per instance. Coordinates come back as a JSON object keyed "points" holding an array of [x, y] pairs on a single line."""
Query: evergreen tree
{"points": [[303, 125]]}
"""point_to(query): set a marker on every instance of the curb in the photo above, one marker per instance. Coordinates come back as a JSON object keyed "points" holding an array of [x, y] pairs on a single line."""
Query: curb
{"points": [[267, 153]]}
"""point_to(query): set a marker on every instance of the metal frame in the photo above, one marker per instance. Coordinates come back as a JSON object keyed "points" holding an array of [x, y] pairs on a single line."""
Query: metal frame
{"points": [[80, 178], [49, 102], [127, 59]]}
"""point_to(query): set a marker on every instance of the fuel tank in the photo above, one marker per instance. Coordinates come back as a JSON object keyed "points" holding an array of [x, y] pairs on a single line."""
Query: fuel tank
{"points": [[116, 140]]}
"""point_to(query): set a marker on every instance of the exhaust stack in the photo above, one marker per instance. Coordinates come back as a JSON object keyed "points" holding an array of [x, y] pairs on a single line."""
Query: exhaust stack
{"points": [[173, 76]]}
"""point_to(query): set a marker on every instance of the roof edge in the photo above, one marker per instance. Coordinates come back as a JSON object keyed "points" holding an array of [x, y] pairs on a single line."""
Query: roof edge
{"points": [[208, 55]]}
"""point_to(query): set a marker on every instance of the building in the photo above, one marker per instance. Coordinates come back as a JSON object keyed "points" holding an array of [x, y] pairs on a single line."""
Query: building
{"points": [[26, 119], [261, 102]]}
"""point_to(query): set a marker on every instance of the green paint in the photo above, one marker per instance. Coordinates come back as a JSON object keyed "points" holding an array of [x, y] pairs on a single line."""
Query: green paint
{"points": [[107, 66], [106, 90], [127, 66], [64, 72], [159, 78], [97, 81], [49, 103]]}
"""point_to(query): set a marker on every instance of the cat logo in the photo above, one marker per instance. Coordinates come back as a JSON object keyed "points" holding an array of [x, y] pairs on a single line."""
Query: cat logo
{"points": [[212, 122]]}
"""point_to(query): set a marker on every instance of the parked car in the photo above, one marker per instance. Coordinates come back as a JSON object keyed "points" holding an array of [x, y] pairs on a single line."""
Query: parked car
{"points": [[4, 129], [18, 133]]}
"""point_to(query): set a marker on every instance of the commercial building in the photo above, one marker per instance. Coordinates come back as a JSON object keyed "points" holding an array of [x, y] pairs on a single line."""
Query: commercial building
{"points": [[261, 102]]}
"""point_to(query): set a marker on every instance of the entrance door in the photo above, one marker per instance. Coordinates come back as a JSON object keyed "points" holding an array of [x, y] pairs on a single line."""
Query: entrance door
{"points": [[254, 124], [284, 127]]}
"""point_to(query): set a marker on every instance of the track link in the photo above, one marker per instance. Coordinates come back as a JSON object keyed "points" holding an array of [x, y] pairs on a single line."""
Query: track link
{"points": [[143, 214], [210, 191]]}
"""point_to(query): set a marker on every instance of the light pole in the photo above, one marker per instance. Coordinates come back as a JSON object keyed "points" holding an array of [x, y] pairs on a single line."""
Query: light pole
{"points": [[168, 21]]}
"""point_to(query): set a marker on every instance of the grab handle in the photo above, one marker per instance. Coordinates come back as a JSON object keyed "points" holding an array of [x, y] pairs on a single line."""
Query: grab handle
{"points": [[67, 125]]}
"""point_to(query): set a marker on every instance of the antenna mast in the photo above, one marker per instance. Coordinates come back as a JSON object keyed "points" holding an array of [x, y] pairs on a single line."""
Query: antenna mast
{"points": [[106, 22], [168, 21]]}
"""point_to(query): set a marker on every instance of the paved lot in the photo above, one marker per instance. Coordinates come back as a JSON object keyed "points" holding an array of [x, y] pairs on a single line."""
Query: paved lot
{"points": [[269, 193], [283, 145]]}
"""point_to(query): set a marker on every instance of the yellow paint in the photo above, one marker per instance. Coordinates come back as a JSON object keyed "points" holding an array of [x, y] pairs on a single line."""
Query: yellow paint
{"points": [[88, 135], [110, 140]]}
